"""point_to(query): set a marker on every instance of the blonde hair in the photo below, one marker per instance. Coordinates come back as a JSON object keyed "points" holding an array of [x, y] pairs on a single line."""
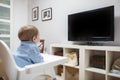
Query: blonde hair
{"points": [[26, 33]]}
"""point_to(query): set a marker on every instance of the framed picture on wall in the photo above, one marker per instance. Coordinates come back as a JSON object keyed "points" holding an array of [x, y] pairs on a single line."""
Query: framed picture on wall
{"points": [[46, 14], [35, 13]]}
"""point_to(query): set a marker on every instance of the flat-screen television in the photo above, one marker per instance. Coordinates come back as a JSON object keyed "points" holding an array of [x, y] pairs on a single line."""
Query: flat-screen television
{"points": [[92, 25]]}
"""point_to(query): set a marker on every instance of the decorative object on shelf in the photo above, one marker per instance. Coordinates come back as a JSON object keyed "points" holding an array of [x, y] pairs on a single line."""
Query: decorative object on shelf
{"points": [[116, 66], [59, 70], [46, 14], [97, 61], [59, 53], [72, 73], [35, 13], [72, 58]]}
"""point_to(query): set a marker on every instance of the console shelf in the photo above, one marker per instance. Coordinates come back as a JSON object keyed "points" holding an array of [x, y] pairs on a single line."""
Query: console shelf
{"points": [[93, 62]]}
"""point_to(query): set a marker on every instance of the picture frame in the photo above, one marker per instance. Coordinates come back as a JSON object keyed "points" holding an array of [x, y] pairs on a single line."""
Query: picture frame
{"points": [[35, 13], [46, 14]]}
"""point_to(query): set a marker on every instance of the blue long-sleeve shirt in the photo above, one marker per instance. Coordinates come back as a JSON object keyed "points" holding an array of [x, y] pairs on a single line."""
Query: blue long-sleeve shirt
{"points": [[27, 53]]}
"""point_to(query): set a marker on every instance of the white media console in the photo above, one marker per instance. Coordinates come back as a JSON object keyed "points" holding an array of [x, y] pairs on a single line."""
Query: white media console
{"points": [[84, 70]]}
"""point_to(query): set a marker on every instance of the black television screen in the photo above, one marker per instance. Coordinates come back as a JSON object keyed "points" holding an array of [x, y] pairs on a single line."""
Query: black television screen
{"points": [[92, 25]]}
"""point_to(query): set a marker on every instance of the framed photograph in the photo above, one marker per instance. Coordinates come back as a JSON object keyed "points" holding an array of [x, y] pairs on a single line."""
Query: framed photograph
{"points": [[46, 14], [35, 13]]}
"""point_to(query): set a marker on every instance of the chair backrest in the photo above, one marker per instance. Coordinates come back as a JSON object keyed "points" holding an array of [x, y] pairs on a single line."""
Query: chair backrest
{"points": [[8, 61]]}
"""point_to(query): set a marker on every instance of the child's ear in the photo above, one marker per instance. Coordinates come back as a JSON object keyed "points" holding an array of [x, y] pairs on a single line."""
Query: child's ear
{"points": [[34, 38]]}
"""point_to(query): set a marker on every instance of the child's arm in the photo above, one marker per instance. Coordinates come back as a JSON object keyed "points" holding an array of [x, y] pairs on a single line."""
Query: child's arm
{"points": [[35, 56]]}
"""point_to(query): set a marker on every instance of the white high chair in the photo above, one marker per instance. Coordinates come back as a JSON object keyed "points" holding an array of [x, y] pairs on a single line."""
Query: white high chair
{"points": [[29, 72]]}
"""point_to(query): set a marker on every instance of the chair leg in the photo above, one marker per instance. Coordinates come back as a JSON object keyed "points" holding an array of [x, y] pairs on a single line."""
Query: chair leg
{"points": [[54, 79], [51, 72]]}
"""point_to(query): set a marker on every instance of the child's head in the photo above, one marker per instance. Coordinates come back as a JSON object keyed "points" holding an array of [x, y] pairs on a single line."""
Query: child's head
{"points": [[29, 33]]}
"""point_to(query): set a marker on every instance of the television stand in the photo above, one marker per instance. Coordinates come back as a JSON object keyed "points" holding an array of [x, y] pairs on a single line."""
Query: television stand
{"points": [[86, 70]]}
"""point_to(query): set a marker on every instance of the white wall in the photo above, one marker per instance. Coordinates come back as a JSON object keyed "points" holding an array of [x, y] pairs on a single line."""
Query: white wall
{"points": [[19, 18], [55, 30]]}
